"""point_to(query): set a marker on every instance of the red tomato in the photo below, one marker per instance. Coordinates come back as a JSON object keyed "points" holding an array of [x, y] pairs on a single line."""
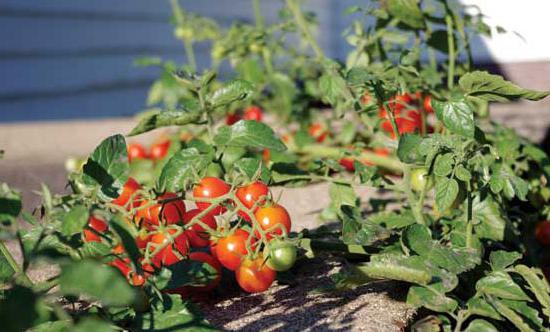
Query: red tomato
{"points": [[409, 123], [250, 195], [138, 279], [159, 150], [94, 228], [232, 118], [210, 187], [169, 254], [347, 163], [399, 102], [318, 131], [172, 212], [254, 276], [266, 155], [197, 235], [118, 249], [428, 104], [232, 248], [122, 264], [128, 192], [136, 151], [253, 113], [542, 233], [142, 239], [417, 95], [272, 218]]}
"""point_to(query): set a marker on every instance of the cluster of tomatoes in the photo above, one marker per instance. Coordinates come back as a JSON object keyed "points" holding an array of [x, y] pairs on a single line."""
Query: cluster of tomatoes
{"points": [[408, 113], [250, 113], [241, 229], [157, 150]]}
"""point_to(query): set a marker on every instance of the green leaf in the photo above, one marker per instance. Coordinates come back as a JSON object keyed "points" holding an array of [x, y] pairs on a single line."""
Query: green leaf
{"points": [[480, 307], [500, 284], [342, 194], [455, 260], [462, 173], [480, 325], [107, 167], [10, 204], [160, 118], [406, 11], [96, 280], [128, 241], [457, 115], [19, 308], [182, 169], [231, 91], [439, 40], [172, 313], [356, 230], [54, 326], [90, 324], [491, 217], [407, 150], [509, 314], [73, 222], [446, 191], [504, 179], [537, 285], [490, 87], [410, 269], [6, 271], [333, 87], [190, 273], [252, 168], [393, 220], [419, 296], [252, 134], [501, 259], [443, 165], [526, 311]]}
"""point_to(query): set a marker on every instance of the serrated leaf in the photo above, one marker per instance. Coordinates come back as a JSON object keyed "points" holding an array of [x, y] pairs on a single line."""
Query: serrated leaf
{"points": [[160, 118], [509, 314], [491, 218], [504, 179], [406, 11], [462, 173], [500, 284], [393, 220], [410, 269], [424, 297], [490, 87], [252, 134], [6, 271], [252, 168], [73, 222], [190, 273], [94, 279], [480, 325], [181, 170], [538, 286], [333, 88], [526, 311], [457, 115], [128, 241], [454, 260], [407, 150], [107, 167], [342, 194], [358, 231], [502, 259], [443, 165], [231, 91], [446, 191], [480, 307]]}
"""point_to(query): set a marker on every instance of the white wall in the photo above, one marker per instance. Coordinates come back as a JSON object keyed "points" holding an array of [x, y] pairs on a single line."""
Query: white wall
{"points": [[529, 18]]}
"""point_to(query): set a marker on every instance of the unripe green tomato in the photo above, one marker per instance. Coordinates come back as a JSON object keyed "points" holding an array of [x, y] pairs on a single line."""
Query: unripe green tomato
{"points": [[183, 33], [214, 170], [280, 255], [420, 179]]}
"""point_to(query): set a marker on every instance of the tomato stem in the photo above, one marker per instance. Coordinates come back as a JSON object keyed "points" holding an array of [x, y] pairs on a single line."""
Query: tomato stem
{"points": [[451, 43], [302, 25], [13, 264]]}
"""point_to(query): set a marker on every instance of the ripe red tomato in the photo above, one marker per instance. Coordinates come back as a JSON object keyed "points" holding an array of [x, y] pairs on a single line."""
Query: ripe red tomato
{"points": [[347, 163], [172, 212], [136, 151], [409, 123], [94, 228], [253, 113], [118, 249], [210, 187], [138, 279], [318, 131], [142, 239], [159, 150], [232, 248], [197, 235], [232, 118], [254, 276], [272, 218], [399, 102], [128, 192], [122, 264], [250, 195], [169, 254], [542, 233], [428, 104]]}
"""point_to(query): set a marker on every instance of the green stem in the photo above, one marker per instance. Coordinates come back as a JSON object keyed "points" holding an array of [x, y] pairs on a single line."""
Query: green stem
{"points": [[469, 221], [258, 13], [324, 151], [302, 24], [190, 54], [451, 43], [13, 264]]}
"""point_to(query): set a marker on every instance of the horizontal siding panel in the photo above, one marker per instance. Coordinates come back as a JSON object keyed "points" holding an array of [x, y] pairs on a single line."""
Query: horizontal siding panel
{"points": [[113, 103]]}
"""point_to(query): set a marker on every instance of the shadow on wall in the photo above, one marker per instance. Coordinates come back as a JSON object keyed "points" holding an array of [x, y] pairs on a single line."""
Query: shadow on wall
{"points": [[65, 59]]}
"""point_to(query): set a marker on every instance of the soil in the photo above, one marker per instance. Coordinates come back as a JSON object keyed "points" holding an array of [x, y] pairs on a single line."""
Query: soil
{"points": [[36, 152]]}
